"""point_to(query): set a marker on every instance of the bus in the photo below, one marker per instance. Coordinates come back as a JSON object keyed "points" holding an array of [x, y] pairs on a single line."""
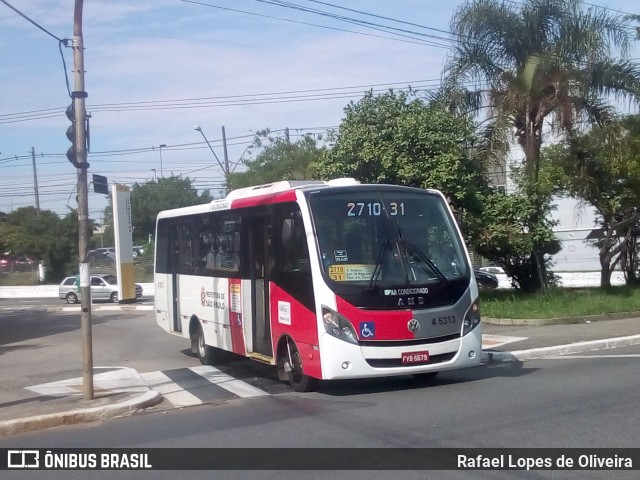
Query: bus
{"points": [[321, 279]]}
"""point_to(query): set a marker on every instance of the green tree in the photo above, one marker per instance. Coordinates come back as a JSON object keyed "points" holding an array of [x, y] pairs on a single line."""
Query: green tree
{"points": [[503, 234], [8, 235], [47, 238], [536, 63], [279, 160], [602, 169], [62, 257], [389, 139], [150, 198]]}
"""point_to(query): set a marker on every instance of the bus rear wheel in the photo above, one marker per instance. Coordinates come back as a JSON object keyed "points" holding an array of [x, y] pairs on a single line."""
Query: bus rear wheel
{"points": [[206, 354], [290, 366]]}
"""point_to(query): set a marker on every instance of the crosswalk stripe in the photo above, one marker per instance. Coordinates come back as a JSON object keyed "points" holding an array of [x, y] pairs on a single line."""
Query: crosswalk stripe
{"points": [[170, 390], [233, 385]]}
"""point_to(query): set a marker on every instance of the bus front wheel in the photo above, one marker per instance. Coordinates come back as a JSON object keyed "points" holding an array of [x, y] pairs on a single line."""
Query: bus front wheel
{"points": [[290, 366]]}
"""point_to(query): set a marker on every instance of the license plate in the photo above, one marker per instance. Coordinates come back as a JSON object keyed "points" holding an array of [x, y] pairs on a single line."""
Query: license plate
{"points": [[415, 357]]}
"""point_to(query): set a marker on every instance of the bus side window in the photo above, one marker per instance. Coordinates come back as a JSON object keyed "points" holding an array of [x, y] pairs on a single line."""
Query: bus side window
{"points": [[292, 270]]}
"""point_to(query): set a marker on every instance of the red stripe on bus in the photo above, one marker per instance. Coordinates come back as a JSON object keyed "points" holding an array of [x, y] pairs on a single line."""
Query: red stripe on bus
{"points": [[288, 196], [236, 320], [388, 324], [292, 318]]}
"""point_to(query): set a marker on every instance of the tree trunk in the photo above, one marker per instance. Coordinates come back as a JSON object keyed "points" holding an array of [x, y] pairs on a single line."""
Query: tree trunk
{"points": [[532, 146], [605, 271]]}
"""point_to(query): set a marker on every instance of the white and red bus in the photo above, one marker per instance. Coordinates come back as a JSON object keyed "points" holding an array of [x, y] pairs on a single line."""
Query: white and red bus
{"points": [[324, 280]]}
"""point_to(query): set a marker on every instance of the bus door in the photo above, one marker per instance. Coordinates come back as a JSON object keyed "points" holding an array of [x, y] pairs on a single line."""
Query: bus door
{"points": [[259, 253], [172, 287]]}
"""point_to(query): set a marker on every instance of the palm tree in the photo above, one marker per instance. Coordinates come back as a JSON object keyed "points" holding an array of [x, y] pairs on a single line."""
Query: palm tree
{"points": [[544, 66]]}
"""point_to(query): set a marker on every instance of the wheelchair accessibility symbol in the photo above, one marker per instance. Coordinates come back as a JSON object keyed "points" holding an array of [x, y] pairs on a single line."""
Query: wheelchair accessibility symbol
{"points": [[367, 329]]}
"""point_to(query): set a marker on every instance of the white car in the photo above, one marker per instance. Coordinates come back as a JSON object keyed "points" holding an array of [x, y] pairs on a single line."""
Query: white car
{"points": [[103, 287]]}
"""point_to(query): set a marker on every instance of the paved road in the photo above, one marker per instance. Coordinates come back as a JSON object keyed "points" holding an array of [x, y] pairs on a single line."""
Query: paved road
{"points": [[587, 401]]}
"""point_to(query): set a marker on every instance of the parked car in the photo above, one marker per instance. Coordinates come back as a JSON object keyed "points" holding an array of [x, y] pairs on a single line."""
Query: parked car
{"points": [[137, 251], [16, 264], [103, 287], [492, 269], [486, 279], [23, 261]]}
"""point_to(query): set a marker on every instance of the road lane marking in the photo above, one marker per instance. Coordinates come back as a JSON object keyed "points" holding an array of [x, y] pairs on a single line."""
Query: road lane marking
{"points": [[492, 341], [233, 385], [170, 390]]}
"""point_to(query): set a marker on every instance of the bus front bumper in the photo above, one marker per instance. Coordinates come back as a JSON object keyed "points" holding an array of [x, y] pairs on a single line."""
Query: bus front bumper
{"points": [[342, 360]]}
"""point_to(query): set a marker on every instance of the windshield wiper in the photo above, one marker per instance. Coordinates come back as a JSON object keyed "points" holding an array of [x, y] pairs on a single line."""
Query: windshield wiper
{"points": [[378, 267], [417, 252], [409, 245]]}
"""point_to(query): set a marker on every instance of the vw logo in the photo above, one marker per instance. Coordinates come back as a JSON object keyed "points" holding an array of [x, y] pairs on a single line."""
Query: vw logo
{"points": [[413, 325]]}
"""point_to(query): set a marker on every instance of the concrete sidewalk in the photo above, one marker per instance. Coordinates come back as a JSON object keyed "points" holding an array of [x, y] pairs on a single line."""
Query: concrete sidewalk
{"points": [[118, 392]]}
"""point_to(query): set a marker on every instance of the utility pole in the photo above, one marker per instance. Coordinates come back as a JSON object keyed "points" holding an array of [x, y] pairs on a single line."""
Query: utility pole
{"points": [[80, 161], [225, 166], [35, 179], [226, 156]]}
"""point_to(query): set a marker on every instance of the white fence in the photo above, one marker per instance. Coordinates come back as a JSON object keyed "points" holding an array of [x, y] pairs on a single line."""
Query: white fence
{"points": [[51, 291], [568, 279], [572, 279]]}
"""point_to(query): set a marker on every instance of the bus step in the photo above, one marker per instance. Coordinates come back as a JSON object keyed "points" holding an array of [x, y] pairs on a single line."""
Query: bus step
{"points": [[259, 357]]}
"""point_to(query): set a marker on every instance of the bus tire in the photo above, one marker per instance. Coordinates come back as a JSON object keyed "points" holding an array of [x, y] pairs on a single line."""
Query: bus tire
{"points": [[206, 354], [293, 371]]}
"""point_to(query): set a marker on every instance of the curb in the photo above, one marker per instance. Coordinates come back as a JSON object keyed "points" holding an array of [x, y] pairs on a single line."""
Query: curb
{"points": [[536, 322], [542, 352], [127, 407]]}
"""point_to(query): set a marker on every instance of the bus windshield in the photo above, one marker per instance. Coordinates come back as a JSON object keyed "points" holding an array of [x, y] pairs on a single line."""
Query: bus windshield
{"points": [[387, 237]]}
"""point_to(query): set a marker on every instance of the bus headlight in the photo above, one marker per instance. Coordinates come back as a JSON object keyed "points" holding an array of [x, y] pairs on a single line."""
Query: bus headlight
{"points": [[472, 318], [338, 326]]}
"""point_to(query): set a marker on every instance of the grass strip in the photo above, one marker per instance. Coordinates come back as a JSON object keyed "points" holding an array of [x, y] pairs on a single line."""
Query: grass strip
{"points": [[559, 302]]}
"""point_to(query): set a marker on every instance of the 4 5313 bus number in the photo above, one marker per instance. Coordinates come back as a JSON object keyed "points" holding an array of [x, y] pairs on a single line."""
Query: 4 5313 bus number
{"points": [[444, 320]]}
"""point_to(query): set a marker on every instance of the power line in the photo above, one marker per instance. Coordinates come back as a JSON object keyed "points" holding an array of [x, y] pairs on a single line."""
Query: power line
{"points": [[375, 26], [60, 40], [232, 100], [95, 156], [381, 17], [414, 41], [318, 94]]}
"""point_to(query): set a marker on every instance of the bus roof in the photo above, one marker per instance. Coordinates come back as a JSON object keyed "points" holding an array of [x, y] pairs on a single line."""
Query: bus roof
{"points": [[236, 197], [284, 185]]}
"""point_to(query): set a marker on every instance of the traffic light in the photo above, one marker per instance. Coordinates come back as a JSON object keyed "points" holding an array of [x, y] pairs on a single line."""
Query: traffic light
{"points": [[71, 135]]}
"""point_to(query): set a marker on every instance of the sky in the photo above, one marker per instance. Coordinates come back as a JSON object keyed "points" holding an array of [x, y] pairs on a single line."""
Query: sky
{"points": [[154, 69]]}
